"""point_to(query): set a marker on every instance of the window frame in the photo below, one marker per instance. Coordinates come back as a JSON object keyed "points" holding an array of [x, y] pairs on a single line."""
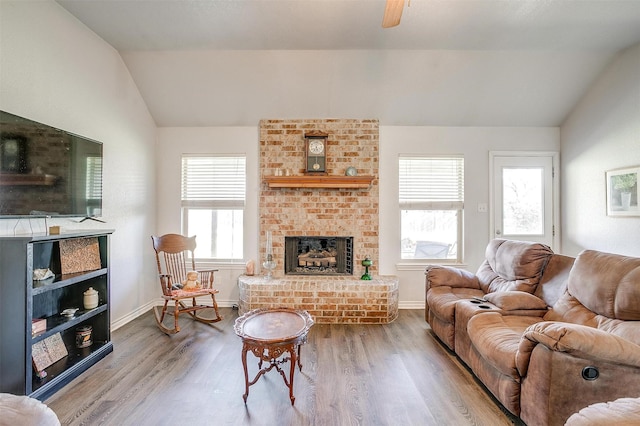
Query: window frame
{"points": [[446, 204]]}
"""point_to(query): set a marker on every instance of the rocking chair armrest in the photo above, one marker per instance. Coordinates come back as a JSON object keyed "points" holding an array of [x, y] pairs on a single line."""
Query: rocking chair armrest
{"points": [[165, 277], [165, 283]]}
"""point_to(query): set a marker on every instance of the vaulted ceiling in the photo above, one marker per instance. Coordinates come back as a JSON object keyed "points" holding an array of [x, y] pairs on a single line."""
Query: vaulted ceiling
{"points": [[448, 63]]}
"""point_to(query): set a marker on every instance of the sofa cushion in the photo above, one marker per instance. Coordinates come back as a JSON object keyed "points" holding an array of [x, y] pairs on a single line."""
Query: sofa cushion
{"points": [[628, 330], [512, 265], [607, 284], [569, 309], [497, 338]]}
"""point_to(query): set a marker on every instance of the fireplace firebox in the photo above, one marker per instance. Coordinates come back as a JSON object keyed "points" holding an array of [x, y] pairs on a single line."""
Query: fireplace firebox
{"points": [[318, 255]]}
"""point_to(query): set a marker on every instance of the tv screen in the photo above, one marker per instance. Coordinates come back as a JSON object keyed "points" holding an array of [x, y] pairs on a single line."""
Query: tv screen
{"points": [[46, 171]]}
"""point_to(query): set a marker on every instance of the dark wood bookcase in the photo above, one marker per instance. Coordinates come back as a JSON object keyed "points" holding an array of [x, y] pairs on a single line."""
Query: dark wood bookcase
{"points": [[23, 299]]}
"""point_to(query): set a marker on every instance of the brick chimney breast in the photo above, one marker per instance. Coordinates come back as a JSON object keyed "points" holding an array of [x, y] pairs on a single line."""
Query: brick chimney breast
{"points": [[320, 212]]}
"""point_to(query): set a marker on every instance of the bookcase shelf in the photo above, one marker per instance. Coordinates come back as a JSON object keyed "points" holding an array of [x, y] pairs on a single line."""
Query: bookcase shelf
{"points": [[60, 281], [58, 323], [24, 299]]}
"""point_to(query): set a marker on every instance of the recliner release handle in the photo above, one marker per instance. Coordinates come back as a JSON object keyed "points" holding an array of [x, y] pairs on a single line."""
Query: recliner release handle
{"points": [[590, 373]]}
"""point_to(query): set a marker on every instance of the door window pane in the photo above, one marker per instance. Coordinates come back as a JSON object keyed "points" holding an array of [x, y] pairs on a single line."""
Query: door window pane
{"points": [[523, 206]]}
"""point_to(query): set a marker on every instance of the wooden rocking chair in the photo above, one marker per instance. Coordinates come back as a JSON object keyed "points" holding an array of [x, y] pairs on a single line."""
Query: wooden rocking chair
{"points": [[171, 257]]}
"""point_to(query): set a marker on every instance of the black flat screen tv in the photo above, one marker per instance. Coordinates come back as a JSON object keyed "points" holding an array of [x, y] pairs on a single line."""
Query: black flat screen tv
{"points": [[47, 172]]}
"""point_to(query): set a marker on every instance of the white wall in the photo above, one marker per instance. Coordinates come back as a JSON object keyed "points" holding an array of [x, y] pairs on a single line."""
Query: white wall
{"points": [[55, 71], [602, 133], [172, 143], [473, 142]]}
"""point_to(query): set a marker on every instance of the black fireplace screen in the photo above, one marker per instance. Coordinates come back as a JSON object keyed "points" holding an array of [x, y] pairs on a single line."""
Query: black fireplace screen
{"points": [[318, 255]]}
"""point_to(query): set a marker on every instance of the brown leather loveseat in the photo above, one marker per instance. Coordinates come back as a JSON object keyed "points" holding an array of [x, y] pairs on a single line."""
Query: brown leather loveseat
{"points": [[571, 342]]}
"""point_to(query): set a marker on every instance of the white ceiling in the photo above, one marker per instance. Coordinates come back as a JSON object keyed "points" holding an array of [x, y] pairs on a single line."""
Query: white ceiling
{"points": [[449, 62]]}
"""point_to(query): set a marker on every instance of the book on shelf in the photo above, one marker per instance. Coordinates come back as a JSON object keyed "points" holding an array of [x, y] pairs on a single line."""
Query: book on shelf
{"points": [[48, 351]]}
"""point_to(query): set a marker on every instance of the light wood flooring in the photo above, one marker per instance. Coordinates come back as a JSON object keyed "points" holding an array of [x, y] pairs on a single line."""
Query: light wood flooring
{"points": [[395, 374]]}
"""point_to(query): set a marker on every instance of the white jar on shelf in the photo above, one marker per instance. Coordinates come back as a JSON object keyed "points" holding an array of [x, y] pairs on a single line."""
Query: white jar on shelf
{"points": [[90, 298]]}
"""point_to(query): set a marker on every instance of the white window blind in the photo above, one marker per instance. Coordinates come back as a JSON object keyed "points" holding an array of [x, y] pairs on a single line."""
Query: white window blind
{"points": [[94, 178], [431, 183], [213, 181]]}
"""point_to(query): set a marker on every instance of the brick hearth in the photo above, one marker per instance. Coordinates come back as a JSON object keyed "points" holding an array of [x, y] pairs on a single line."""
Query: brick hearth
{"points": [[329, 300]]}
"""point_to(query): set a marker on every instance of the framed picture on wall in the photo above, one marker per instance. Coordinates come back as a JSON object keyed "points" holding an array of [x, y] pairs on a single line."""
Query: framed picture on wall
{"points": [[622, 192]]}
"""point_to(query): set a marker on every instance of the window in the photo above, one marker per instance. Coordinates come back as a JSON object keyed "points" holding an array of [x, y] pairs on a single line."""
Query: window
{"points": [[431, 196], [93, 185], [213, 199], [93, 178]]}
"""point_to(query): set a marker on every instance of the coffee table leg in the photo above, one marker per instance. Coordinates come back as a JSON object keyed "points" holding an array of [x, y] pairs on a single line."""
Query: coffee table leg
{"points": [[246, 373], [299, 365], [292, 370]]}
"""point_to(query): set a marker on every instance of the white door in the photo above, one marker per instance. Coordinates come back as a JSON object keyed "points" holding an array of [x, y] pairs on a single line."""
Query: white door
{"points": [[525, 198]]}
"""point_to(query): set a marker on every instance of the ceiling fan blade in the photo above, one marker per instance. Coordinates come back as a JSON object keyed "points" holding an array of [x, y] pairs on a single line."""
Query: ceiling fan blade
{"points": [[392, 13]]}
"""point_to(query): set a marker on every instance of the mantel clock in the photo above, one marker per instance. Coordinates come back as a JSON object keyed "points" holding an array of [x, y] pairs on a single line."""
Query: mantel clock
{"points": [[315, 153]]}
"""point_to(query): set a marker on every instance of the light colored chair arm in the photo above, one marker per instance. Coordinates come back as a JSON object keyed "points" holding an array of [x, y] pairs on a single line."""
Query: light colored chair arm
{"points": [[24, 410], [621, 412], [452, 277], [579, 341]]}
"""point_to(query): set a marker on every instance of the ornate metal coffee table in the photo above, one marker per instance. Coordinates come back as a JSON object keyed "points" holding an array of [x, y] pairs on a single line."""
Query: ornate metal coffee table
{"points": [[271, 334]]}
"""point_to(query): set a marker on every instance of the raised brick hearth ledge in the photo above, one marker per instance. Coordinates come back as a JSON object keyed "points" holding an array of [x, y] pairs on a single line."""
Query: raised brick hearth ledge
{"points": [[330, 300]]}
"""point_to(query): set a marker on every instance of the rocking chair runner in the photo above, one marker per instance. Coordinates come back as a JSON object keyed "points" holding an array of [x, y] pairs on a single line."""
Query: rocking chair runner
{"points": [[171, 254]]}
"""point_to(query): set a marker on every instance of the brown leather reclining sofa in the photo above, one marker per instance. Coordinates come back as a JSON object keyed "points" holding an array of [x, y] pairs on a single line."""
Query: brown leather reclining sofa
{"points": [[547, 334]]}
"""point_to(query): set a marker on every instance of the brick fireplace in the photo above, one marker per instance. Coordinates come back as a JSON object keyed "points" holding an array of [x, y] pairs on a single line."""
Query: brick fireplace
{"points": [[334, 217]]}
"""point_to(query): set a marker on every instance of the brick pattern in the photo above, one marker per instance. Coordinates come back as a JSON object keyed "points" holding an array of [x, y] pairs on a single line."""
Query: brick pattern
{"points": [[330, 300], [320, 212], [48, 152]]}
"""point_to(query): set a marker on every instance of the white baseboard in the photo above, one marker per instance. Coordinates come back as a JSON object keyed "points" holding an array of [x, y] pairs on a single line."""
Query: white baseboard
{"points": [[131, 316], [159, 302], [411, 304]]}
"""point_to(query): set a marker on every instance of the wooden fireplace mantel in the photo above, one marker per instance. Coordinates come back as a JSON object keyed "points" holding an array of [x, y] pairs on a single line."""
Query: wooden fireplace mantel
{"points": [[22, 179], [338, 182]]}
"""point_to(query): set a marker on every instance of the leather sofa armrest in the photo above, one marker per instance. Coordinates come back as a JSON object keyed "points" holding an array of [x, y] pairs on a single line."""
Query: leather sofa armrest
{"points": [[438, 275], [622, 411], [579, 341], [517, 301]]}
